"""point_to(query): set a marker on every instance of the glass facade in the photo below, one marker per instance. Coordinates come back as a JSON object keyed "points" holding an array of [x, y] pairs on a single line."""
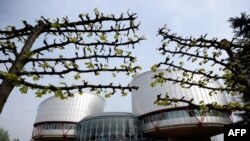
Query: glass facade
{"points": [[180, 114], [55, 126], [108, 128]]}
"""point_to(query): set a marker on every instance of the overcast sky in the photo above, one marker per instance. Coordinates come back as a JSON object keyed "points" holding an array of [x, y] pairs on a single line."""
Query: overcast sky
{"points": [[186, 17]]}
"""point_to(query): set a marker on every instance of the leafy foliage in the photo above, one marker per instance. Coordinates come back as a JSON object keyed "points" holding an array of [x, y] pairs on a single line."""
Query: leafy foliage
{"points": [[241, 26], [4, 136], [225, 61], [56, 49]]}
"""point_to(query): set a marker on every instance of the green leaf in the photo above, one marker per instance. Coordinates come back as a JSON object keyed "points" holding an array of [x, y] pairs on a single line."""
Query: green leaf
{"points": [[73, 39], [96, 11], [122, 66], [77, 76], [107, 95], [55, 25], [89, 65], [185, 74], [200, 82], [98, 91], [160, 80], [118, 51], [124, 93], [38, 93], [193, 43], [152, 84], [44, 65], [103, 37], [97, 73], [201, 70], [36, 77], [139, 67], [24, 89], [130, 69], [154, 68], [194, 59], [181, 63], [116, 36], [59, 94]]}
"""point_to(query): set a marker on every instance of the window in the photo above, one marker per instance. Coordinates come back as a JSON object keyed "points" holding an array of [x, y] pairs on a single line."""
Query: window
{"points": [[110, 128]]}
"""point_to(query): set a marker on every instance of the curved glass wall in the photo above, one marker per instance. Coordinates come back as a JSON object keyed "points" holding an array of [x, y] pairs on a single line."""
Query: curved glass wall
{"points": [[51, 130], [55, 126], [180, 114], [108, 128]]}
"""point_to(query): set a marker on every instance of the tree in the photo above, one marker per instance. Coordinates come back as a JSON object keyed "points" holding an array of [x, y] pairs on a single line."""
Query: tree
{"points": [[241, 26], [4, 136], [225, 61], [60, 49]]}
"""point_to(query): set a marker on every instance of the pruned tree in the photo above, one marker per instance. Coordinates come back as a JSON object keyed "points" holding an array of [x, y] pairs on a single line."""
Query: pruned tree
{"points": [[4, 135], [224, 61], [57, 49]]}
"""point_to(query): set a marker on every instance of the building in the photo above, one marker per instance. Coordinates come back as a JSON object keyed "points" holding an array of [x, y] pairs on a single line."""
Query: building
{"points": [[109, 126], [56, 119], [81, 118], [177, 121]]}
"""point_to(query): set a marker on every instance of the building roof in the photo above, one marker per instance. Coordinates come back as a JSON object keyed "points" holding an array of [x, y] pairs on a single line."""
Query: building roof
{"points": [[110, 114]]}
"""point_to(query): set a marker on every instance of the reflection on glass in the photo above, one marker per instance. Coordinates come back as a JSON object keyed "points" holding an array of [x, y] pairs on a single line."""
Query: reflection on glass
{"points": [[110, 128], [180, 114]]}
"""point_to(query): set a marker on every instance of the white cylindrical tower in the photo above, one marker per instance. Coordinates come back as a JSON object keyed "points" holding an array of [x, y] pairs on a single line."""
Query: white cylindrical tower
{"points": [[56, 118], [176, 120]]}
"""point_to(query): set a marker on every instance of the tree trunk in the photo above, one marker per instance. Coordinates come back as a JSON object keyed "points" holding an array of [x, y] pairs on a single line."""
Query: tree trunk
{"points": [[7, 85]]}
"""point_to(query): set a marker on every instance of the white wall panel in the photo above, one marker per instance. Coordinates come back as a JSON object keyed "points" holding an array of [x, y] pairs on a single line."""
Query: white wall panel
{"points": [[62, 112], [143, 98], [72, 109]]}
